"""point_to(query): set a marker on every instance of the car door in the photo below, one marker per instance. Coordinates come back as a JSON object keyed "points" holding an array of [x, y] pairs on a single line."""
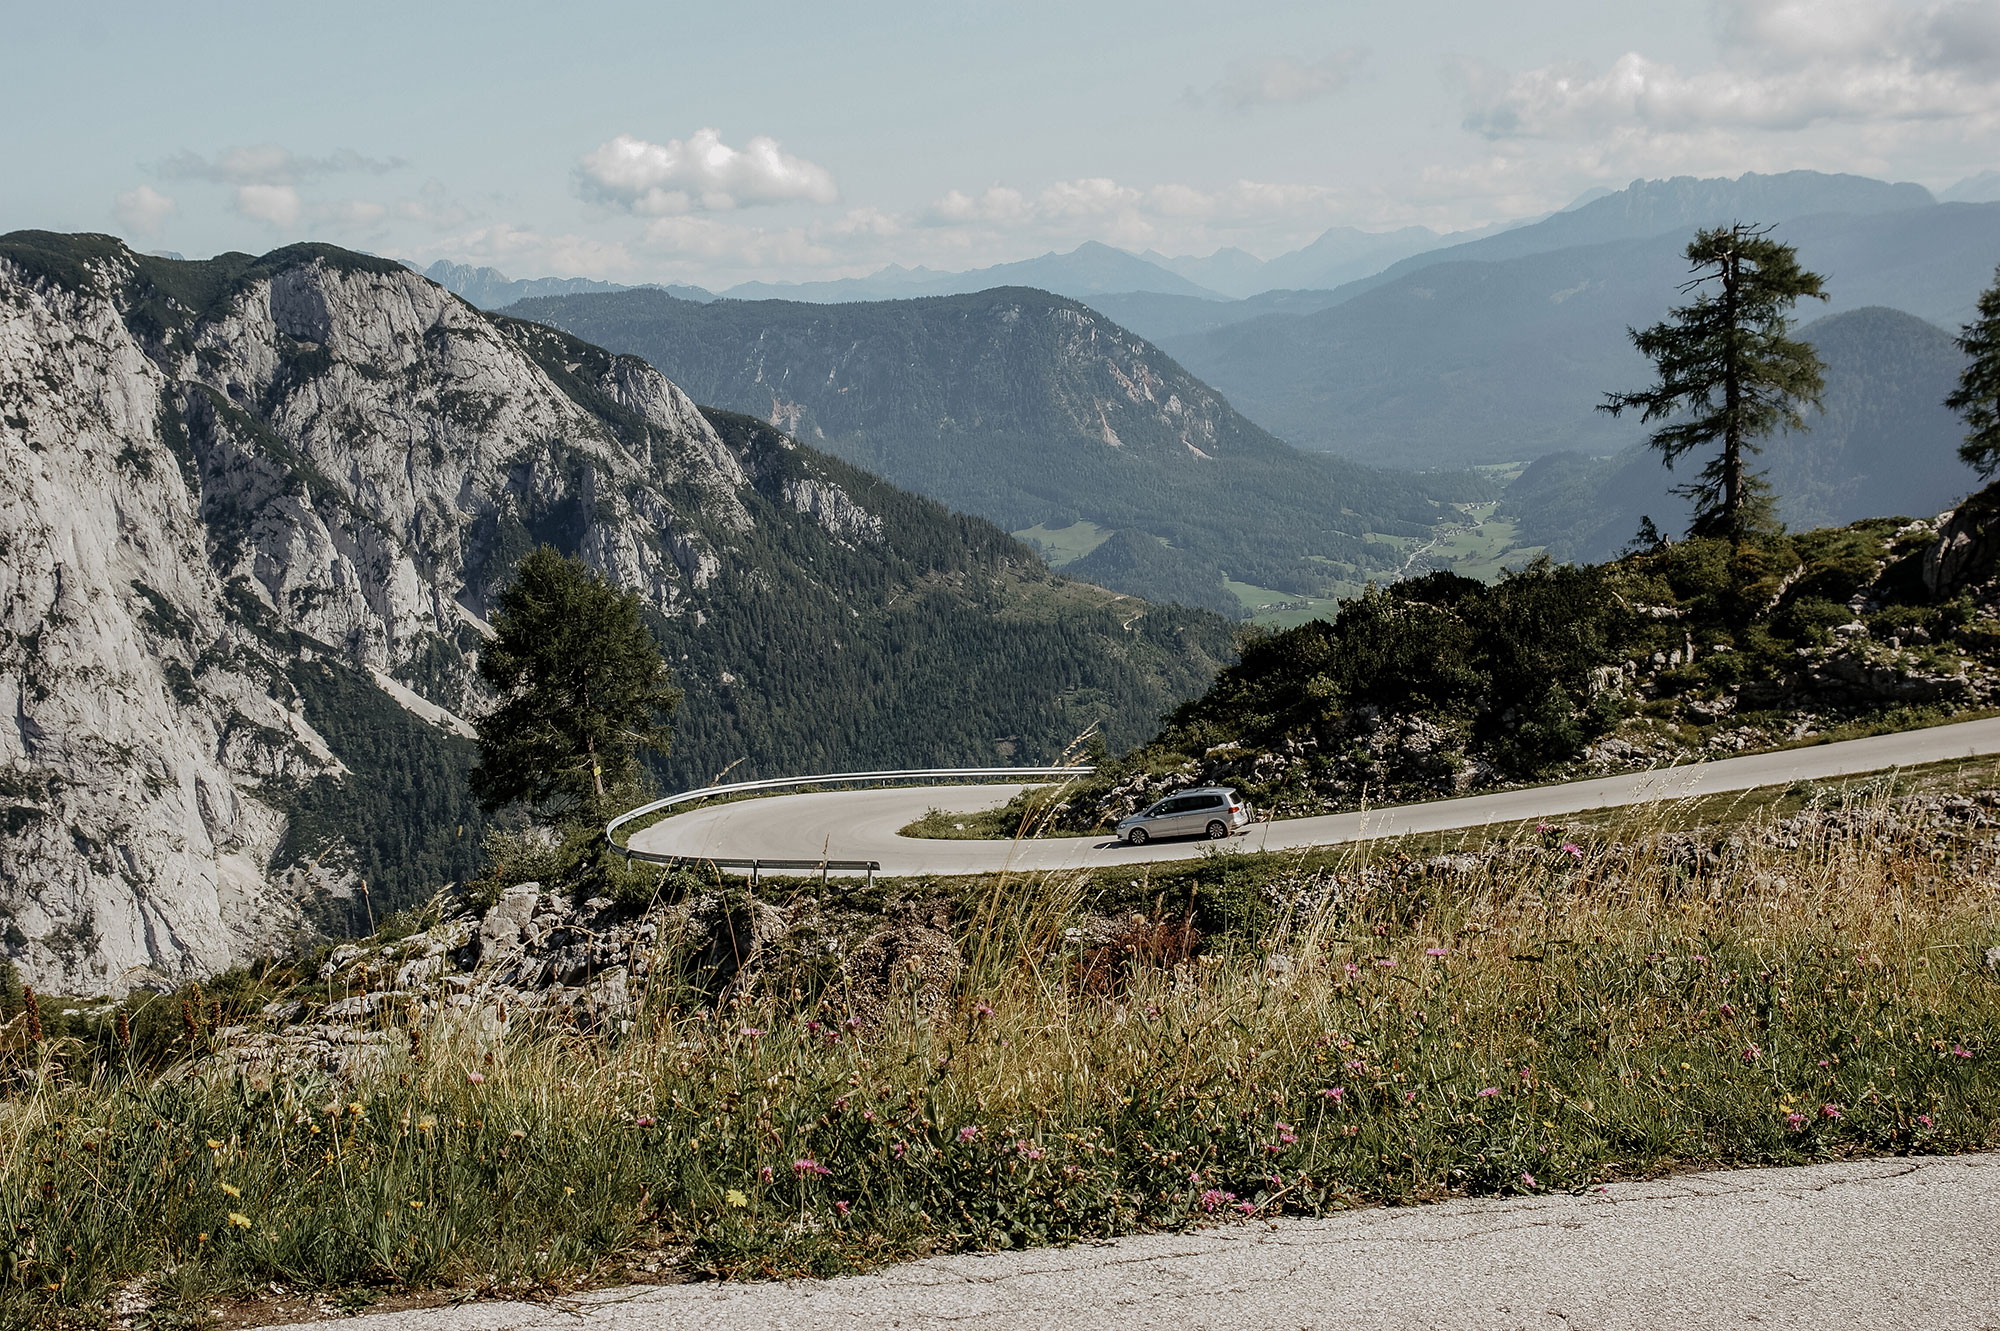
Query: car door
{"points": [[1182, 816], [1206, 809]]}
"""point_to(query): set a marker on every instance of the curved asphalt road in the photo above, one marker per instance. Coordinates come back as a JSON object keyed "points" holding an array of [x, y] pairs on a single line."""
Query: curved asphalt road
{"points": [[863, 824]]}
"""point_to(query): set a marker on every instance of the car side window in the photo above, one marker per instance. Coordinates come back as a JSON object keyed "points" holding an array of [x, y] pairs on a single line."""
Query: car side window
{"points": [[1211, 801]]}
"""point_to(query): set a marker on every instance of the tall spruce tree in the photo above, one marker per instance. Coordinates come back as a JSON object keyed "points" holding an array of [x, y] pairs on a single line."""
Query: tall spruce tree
{"points": [[1727, 363], [582, 690], [1977, 399]]}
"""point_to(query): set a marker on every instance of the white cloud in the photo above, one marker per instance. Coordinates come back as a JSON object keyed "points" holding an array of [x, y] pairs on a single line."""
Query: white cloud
{"points": [[433, 206], [1783, 65], [278, 205], [270, 164], [700, 172], [143, 210], [1283, 80]]}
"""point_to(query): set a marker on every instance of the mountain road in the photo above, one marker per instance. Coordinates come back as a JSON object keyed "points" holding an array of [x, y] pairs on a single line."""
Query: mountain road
{"points": [[865, 824]]}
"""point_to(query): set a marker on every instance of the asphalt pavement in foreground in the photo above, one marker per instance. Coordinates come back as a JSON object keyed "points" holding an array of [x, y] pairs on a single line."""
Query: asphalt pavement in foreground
{"points": [[1891, 1243], [864, 824]]}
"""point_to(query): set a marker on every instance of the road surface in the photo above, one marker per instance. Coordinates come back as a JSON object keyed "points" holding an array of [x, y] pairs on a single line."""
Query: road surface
{"points": [[864, 824], [1875, 1244]]}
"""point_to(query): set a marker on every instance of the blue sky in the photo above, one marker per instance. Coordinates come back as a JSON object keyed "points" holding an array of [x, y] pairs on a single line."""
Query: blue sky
{"points": [[720, 142]]}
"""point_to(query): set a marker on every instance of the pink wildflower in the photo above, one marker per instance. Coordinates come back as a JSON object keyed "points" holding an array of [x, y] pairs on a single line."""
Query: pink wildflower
{"points": [[1924, 1119], [967, 1133], [1351, 969], [899, 1150], [475, 1078], [1830, 1111], [1960, 1051], [1409, 1096], [1214, 1198], [751, 1032], [764, 1174], [1333, 1093], [1027, 1151], [1387, 963], [644, 1120], [1490, 1090], [1356, 1065], [1752, 1053], [982, 1010], [1527, 1179], [1247, 1208], [1795, 1121], [1435, 951], [809, 1166], [1571, 849], [841, 1207]]}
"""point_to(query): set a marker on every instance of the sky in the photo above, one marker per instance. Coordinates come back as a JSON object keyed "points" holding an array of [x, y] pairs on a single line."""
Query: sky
{"points": [[787, 141]]}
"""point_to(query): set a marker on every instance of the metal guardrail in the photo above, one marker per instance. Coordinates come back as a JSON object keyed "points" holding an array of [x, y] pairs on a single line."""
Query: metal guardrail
{"points": [[934, 775]]}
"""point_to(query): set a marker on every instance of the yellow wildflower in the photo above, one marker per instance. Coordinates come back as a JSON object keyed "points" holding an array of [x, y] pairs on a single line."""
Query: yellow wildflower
{"points": [[237, 1220], [569, 1192], [736, 1198], [214, 1145], [232, 1190], [416, 1206]]}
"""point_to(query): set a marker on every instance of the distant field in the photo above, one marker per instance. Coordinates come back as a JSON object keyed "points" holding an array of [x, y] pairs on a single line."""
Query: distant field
{"points": [[1282, 610], [1064, 545]]}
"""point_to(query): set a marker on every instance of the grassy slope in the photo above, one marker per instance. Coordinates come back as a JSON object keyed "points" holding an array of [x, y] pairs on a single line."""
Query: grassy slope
{"points": [[1572, 1006]]}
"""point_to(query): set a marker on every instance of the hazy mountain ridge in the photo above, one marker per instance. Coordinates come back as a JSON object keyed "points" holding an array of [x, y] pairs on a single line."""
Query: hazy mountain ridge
{"points": [[263, 507], [1462, 362], [1088, 269], [491, 289], [1034, 411]]}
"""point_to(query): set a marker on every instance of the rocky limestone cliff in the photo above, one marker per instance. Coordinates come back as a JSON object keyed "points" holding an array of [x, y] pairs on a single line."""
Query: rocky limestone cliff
{"points": [[317, 454]]}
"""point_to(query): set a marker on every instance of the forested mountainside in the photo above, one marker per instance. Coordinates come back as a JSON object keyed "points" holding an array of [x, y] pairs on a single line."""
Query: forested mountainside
{"points": [[1037, 412], [260, 511], [1460, 361], [1884, 442], [1440, 685]]}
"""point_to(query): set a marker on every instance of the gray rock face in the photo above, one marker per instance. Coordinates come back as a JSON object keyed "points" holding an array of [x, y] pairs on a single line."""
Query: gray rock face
{"points": [[324, 458]]}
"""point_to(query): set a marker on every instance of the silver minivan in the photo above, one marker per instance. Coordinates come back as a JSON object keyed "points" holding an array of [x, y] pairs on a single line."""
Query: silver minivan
{"points": [[1211, 811]]}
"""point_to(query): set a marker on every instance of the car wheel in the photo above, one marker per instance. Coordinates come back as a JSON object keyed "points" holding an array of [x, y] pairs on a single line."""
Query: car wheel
{"points": [[1218, 830], [1137, 836]]}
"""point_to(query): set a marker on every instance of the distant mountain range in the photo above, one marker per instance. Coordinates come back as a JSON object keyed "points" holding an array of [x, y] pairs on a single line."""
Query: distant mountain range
{"points": [[491, 289], [1045, 416], [1465, 360]]}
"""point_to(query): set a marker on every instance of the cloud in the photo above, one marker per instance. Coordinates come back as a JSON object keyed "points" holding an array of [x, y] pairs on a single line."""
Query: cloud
{"points": [[1783, 65], [143, 210], [701, 172], [1283, 81], [433, 206], [278, 205], [271, 164]]}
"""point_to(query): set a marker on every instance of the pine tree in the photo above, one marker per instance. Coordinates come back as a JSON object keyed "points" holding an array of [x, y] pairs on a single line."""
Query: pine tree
{"points": [[1726, 361], [582, 690], [1978, 397]]}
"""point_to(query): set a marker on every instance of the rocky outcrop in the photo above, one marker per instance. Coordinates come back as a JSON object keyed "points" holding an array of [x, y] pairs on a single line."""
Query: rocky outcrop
{"points": [[221, 470]]}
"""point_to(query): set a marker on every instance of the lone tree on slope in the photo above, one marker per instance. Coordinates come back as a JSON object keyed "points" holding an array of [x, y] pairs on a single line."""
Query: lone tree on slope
{"points": [[1978, 397], [1726, 362], [582, 689]]}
